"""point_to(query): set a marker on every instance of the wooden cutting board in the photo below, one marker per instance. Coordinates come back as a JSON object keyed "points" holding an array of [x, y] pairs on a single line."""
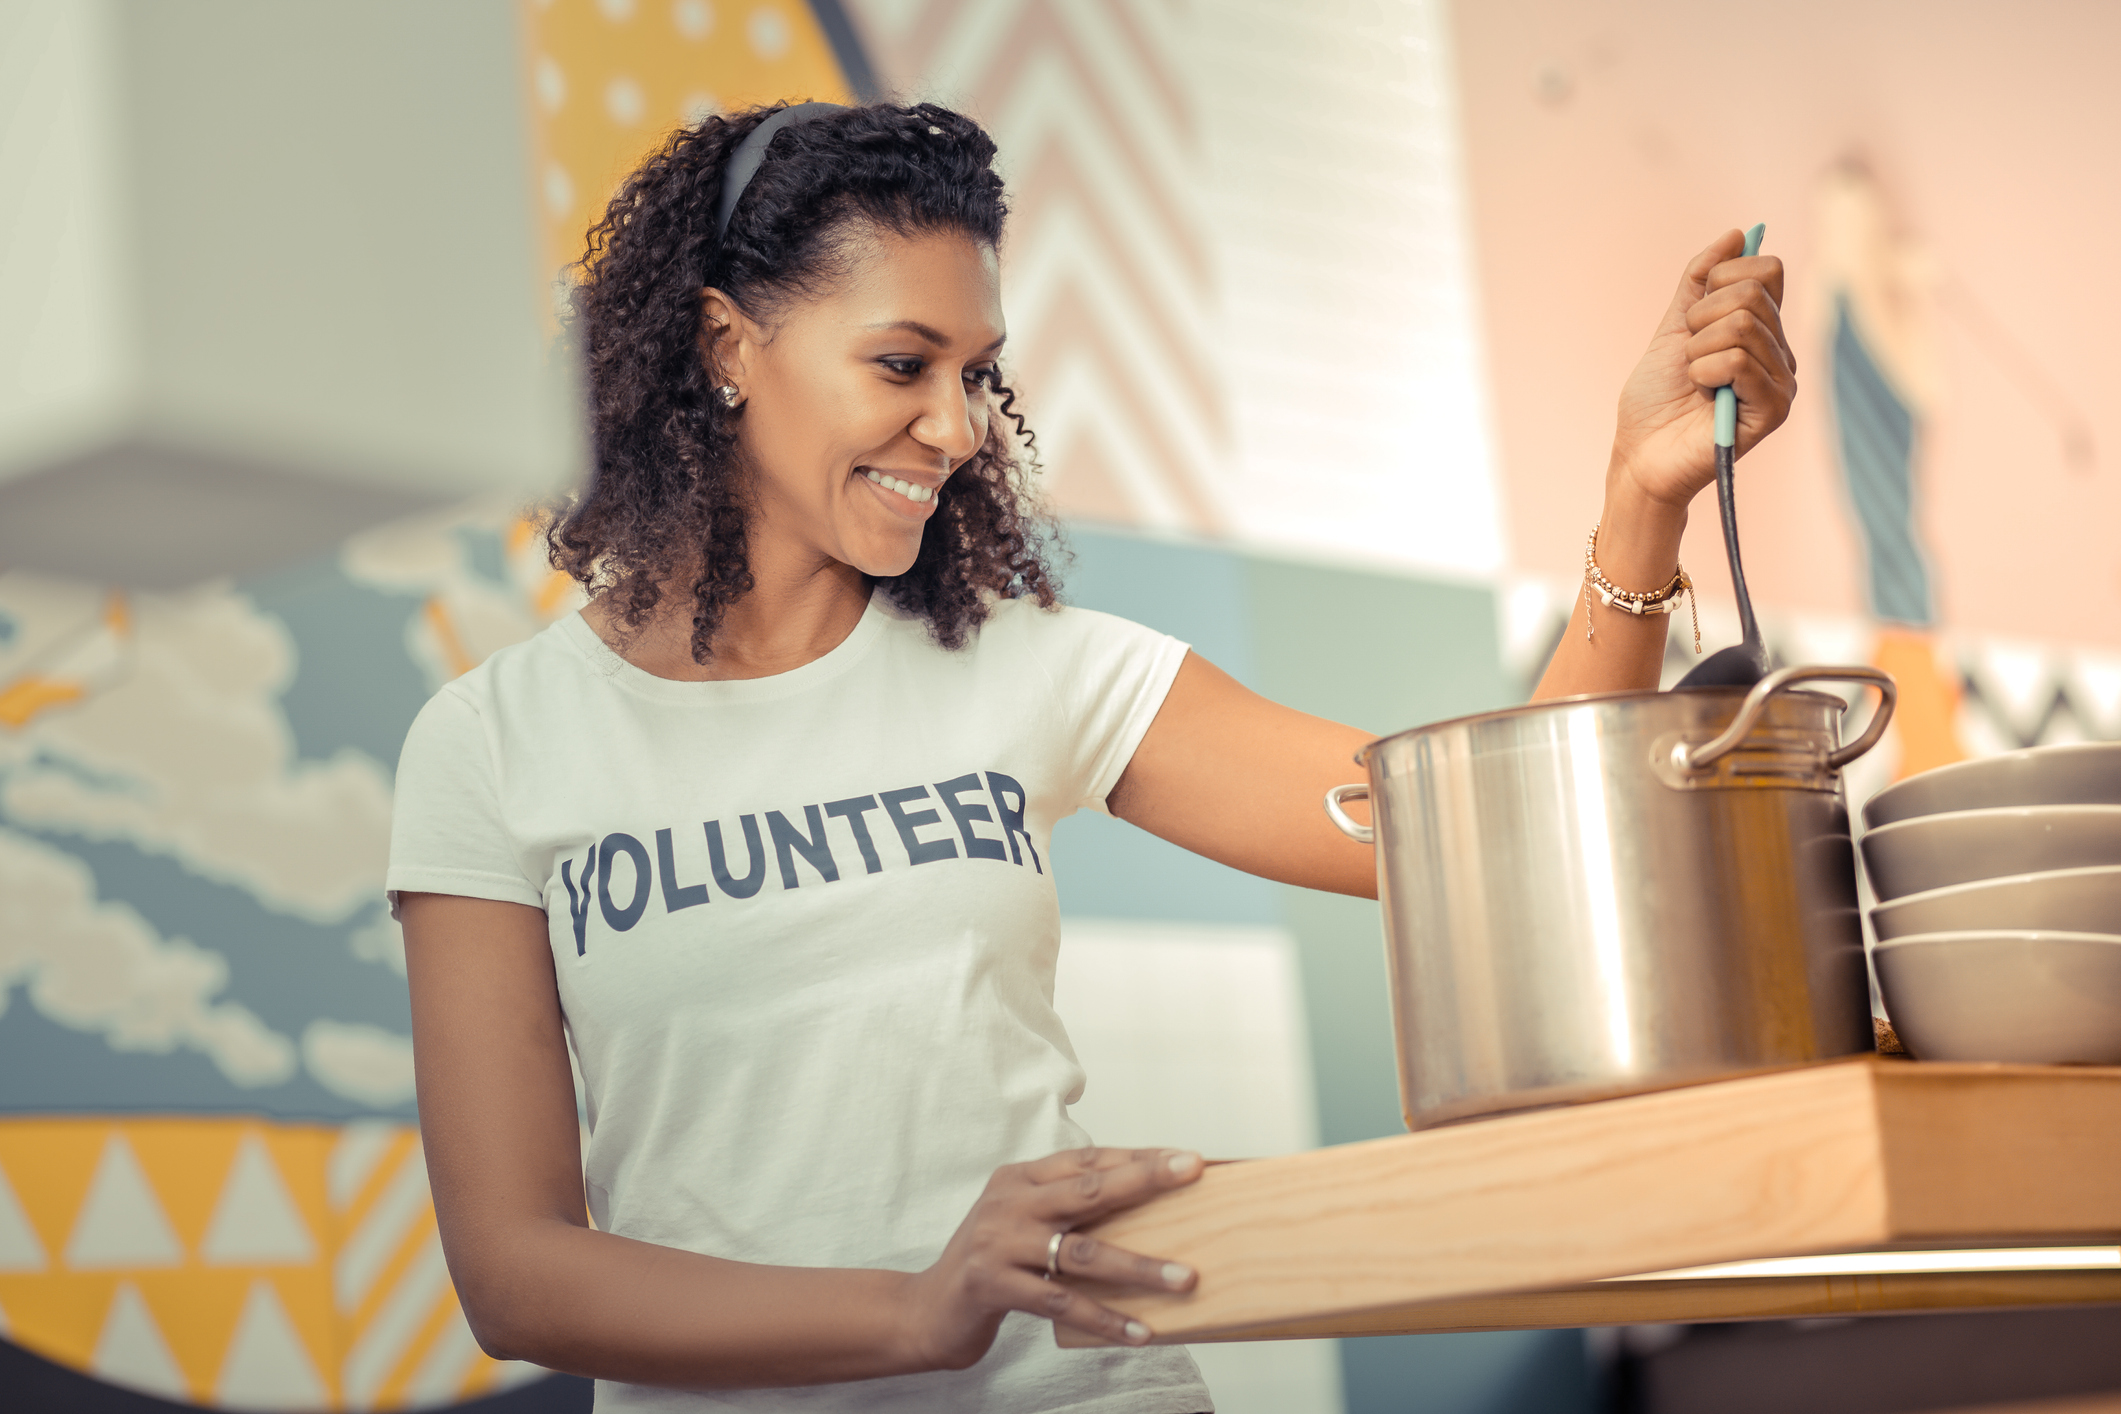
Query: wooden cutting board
{"points": [[1521, 1221]]}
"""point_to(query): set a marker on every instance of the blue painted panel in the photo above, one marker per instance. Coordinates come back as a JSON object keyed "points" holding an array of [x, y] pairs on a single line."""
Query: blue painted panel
{"points": [[355, 685], [1387, 653], [286, 970], [46, 1068], [1106, 868], [1383, 653], [1199, 593]]}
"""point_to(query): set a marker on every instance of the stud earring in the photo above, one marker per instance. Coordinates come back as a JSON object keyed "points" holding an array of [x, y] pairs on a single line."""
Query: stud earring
{"points": [[728, 394]]}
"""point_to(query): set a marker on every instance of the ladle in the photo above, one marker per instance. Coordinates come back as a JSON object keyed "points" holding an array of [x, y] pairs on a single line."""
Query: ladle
{"points": [[1745, 662]]}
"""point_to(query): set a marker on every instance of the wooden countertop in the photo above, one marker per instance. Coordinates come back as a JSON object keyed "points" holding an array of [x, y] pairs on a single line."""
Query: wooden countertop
{"points": [[1525, 1220]]}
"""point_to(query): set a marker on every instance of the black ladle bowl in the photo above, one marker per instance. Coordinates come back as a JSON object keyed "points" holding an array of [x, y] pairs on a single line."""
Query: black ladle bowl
{"points": [[1746, 661]]}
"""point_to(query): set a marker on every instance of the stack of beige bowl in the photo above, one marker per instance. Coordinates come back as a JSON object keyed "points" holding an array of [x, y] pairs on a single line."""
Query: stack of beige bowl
{"points": [[1999, 906]]}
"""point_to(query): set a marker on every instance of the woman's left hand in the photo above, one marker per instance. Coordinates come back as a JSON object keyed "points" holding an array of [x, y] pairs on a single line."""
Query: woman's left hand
{"points": [[1724, 327]]}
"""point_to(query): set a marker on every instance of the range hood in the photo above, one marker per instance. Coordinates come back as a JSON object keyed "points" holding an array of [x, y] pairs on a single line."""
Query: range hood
{"points": [[268, 275]]}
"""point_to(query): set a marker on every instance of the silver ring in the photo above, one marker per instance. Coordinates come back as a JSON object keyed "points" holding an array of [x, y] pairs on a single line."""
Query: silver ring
{"points": [[1053, 1255]]}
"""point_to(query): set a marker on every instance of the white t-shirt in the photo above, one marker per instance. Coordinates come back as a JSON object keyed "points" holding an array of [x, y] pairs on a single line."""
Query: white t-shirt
{"points": [[805, 930]]}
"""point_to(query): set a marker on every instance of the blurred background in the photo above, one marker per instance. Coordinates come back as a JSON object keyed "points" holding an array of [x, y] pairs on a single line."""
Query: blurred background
{"points": [[1320, 310]]}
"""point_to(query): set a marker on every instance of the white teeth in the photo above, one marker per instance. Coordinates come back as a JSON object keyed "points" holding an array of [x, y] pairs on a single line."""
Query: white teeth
{"points": [[912, 491]]}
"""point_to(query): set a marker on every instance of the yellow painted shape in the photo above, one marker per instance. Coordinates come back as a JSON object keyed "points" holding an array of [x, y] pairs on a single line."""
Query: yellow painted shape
{"points": [[305, 1293], [58, 1314], [415, 1238], [379, 1178], [552, 594], [186, 1162], [411, 1243], [27, 697], [1927, 717], [50, 1162], [604, 72], [196, 1308], [451, 643], [302, 1152]]}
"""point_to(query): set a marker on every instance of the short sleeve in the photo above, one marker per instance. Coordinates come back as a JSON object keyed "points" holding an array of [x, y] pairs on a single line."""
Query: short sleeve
{"points": [[1110, 677], [446, 831]]}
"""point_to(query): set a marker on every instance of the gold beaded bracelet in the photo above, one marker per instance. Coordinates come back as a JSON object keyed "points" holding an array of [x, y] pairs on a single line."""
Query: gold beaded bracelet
{"points": [[1657, 601]]}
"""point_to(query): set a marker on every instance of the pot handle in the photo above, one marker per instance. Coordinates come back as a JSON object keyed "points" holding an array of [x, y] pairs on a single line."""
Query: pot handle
{"points": [[1696, 758], [1361, 834]]}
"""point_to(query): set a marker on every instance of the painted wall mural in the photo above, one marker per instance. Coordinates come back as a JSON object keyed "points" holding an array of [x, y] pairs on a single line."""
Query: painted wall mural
{"points": [[211, 1185], [211, 1189], [1242, 286]]}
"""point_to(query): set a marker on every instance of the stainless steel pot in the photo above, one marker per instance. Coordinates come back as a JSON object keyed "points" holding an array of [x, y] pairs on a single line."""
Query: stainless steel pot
{"points": [[1604, 895]]}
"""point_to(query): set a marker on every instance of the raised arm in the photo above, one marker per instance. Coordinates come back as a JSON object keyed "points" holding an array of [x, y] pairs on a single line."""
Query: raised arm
{"points": [[1722, 328], [497, 1115], [1228, 774]]}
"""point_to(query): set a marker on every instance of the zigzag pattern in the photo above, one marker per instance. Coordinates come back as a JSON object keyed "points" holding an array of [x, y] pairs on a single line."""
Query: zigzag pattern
{"points": [[2057, 697], [1106, 277], [2011, 694]]}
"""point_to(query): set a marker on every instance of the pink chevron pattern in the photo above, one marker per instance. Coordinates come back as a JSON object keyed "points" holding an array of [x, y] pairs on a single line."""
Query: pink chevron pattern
{"points": [[1107, 277]]}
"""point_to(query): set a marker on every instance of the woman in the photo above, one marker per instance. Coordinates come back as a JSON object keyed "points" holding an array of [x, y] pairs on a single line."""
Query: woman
{"points": [[764, 830]]}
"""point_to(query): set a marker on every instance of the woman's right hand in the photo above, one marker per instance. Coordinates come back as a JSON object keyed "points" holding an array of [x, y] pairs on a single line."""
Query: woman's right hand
{"points": [[996, 1261]]}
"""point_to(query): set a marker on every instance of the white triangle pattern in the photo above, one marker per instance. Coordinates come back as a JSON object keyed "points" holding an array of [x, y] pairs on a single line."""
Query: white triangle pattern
{"points": [[131, 1350], [266, 1366], [255, 1222], [20, 1251], [121, 1223]]}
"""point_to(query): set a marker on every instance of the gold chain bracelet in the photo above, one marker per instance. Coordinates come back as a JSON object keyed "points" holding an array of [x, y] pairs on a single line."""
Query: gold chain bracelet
{"points": [[1657, 601]]}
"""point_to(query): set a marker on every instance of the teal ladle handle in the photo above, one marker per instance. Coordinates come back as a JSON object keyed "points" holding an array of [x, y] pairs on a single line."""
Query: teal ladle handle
{"points": [[1726, 400]]}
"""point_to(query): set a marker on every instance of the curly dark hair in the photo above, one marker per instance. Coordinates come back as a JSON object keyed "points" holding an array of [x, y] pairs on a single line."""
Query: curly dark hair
{"points": [[669, 490]]}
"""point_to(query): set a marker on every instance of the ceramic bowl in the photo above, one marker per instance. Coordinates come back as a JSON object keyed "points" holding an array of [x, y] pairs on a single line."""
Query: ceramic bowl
{"points": [[1938, 851], [2083, 774], [2029, 996], [2062, 901]]}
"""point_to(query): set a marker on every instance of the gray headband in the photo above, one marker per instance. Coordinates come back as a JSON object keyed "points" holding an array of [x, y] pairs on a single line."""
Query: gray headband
{"points": [[744, 162]]}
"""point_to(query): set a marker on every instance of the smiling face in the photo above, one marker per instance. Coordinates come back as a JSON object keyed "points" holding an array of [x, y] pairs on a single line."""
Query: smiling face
{"points": [[860, 403]]}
